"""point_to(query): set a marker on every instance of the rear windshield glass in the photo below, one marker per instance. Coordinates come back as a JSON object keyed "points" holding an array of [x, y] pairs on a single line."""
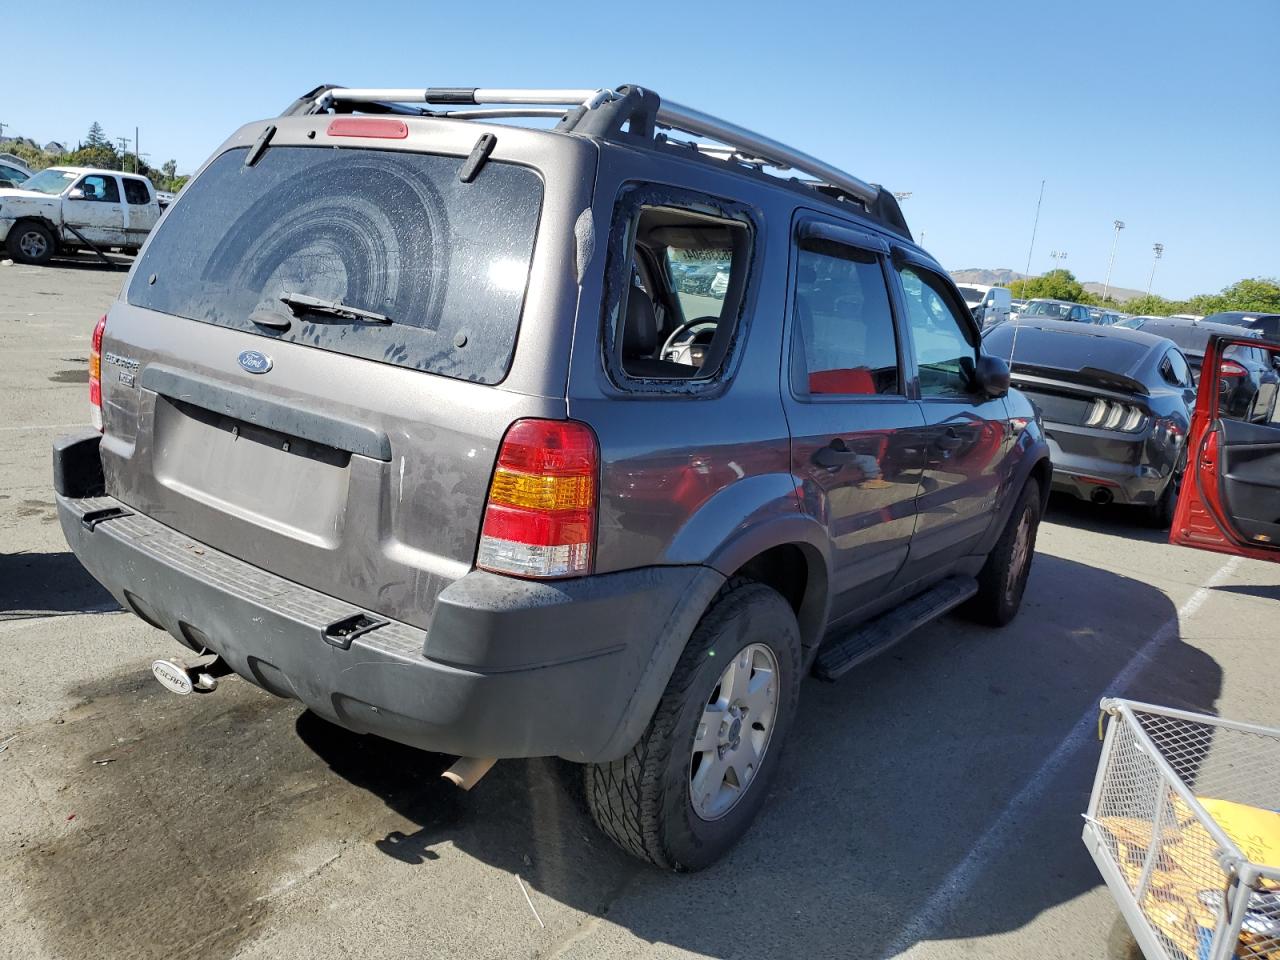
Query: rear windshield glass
{"points": [[1065, 350], [393, 234], [1189, 337]]}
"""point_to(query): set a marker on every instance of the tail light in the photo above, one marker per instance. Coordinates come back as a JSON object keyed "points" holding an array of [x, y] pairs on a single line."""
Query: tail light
{"points": [[540, 520], [1110, 415], [1229, 368], [95, 373]]}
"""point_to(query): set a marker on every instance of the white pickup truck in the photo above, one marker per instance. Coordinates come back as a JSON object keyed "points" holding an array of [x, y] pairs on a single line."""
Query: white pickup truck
{"points": [[70, 208]]}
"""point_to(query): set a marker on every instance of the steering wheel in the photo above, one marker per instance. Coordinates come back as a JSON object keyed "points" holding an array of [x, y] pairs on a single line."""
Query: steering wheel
{"points": [[689, 326]]}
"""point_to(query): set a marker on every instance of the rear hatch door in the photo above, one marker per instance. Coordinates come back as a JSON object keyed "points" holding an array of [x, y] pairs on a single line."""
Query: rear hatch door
{"points": [[311, 367]]}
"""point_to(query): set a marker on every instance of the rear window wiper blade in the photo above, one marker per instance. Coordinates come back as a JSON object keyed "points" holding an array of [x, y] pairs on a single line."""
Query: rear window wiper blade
{"points": [[300, 303]]}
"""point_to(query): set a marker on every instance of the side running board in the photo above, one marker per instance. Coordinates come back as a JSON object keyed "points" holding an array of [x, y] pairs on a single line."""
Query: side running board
{"points": [[841, 654]]}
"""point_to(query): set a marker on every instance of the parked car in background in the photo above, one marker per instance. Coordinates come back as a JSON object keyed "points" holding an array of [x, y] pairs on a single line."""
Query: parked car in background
{"points": [[1016, 304], [990, 305], [13, 171], [1231, 500], [1116, 406], [1249, 377], [1193, 317], [403, 416], [1054, 310], [1104, 318], [69, 208], [1266, 325], [1134, 323]]}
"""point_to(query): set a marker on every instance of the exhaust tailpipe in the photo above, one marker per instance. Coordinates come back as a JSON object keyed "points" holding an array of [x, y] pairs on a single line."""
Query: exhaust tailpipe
{"points": [[467, 771], [1101, 495], [182, 679]]}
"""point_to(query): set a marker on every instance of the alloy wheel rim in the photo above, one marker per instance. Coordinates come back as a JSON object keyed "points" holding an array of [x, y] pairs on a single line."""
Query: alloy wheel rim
{"points": [[734, 732], [32, 244]]}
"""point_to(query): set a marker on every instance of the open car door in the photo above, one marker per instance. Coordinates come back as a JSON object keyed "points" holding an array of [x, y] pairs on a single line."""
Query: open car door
{"points": [[1230, 496]]}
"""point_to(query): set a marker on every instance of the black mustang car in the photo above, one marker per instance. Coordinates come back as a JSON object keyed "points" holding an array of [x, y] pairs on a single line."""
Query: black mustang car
{"points": [[1116, 406], [1249, 378]]}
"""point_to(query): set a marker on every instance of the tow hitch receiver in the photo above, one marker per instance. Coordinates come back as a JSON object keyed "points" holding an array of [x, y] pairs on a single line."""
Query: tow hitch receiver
{"points": [[202, 678]]}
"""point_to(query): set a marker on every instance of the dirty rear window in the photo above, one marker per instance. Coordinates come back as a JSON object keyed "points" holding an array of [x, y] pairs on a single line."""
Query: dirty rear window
{"points": [[394, 234]]}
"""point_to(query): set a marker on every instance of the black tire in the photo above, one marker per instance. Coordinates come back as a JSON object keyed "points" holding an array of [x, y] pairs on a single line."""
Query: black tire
{"points": [[29, 234], [1003, 578], [1120, 942], [1160, 515], [642, 802]]}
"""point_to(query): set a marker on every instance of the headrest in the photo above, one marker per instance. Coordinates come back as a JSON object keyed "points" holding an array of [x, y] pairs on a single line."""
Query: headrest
{"points": [[640, 329]]}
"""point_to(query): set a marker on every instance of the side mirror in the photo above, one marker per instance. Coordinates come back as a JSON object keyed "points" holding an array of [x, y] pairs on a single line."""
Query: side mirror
{"points": [[991, 375], [75, 193]]}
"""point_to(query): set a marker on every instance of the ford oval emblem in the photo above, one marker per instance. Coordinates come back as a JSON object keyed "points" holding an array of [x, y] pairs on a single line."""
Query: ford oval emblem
{"points": [[255, 362]]}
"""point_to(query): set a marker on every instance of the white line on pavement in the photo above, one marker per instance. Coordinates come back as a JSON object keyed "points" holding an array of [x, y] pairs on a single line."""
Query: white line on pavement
{"points": [[14, 624], [929, 917], [43, 426]]}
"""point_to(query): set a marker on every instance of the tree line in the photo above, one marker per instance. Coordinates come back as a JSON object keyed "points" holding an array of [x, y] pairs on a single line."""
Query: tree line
{"points": [[1256, 294], [95, 150]]}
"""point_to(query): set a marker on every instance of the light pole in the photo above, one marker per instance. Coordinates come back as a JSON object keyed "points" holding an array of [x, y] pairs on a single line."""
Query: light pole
{"points": [[1058, 257], [1034, 225], [1106, 287], [124, 148], [1159, 251]]}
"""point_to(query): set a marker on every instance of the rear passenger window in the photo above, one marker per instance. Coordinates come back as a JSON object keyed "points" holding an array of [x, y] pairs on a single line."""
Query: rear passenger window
{"points": [[844, 342], [1175, 370], [677, 284], [945, 356], [100, 188], [135, 191]]}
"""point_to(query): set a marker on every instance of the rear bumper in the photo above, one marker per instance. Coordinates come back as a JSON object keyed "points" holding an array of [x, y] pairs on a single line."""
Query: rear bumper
{"points": [[509, 668], [1081, 474]]}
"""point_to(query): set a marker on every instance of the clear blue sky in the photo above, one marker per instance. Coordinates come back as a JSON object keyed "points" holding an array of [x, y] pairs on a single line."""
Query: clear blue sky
{"points": [[1163, 113]]}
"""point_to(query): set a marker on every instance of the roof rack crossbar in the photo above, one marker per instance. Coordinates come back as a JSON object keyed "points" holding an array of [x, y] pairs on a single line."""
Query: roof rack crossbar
{"points": [[472, 96]]}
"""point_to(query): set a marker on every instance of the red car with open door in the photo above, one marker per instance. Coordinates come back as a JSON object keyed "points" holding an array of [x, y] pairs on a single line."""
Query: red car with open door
{"points": [[1230, 496]]}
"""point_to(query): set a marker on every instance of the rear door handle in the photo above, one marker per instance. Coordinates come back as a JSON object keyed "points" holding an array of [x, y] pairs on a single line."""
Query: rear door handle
{"points": [[833, 455], [950, 440]]}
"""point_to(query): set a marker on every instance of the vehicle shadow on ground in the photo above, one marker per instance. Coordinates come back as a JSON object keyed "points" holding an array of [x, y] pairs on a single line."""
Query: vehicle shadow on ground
{"points": [[48, 584], [890, 778], [1113, 519], [119, 263], [1262, 591]]}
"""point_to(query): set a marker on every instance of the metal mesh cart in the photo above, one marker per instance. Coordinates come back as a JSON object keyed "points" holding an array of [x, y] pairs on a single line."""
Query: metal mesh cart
{"points": [[1183, 824]]}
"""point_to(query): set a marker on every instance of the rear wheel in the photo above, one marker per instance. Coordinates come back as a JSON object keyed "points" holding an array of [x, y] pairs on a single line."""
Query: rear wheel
{"points": [[31, 242], [1003, 578], [1160, 515], [693, 784]]}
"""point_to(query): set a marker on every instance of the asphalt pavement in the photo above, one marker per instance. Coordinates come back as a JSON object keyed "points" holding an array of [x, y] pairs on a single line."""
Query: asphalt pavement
{"points": [[928, 805]]}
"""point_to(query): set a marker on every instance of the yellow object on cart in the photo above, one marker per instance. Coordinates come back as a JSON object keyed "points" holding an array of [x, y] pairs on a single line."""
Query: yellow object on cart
{"points": [[1184, 889]]}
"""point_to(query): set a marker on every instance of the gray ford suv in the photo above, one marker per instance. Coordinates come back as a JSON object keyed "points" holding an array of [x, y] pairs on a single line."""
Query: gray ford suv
{"points": [[585, 442]]}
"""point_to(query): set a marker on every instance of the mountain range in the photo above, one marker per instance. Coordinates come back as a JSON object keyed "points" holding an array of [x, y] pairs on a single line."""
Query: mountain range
{"points": [[1004, 276]]}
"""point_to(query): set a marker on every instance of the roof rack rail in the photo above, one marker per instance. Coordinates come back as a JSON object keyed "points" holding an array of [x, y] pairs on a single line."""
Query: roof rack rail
{"points": [[628, 113]]}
